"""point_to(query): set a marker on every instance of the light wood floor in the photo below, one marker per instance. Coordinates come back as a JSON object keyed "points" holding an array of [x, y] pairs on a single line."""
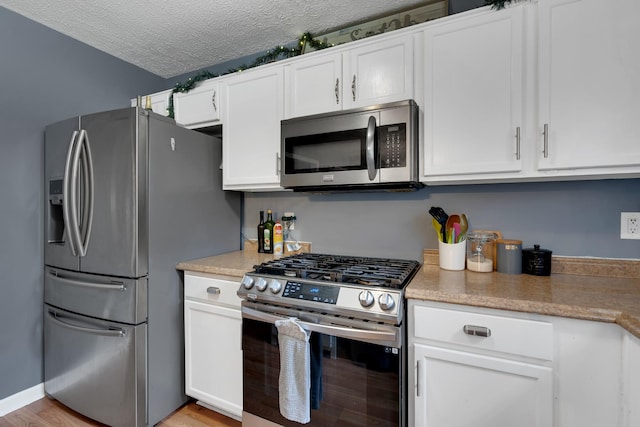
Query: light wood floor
{"points": [[49, 413]]}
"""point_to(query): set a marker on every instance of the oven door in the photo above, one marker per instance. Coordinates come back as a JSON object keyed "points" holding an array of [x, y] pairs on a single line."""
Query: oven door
{"points": [[357, 375]]}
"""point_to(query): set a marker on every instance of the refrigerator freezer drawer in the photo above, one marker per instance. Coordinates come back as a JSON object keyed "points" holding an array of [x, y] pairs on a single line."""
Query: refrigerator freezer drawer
{"points": [[97, 368], [111, 298]]}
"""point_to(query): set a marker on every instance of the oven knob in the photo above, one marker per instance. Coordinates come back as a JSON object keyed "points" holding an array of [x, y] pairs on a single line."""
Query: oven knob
{"points": [[261, 284], [247, 282], [275, 286], [386, 302], [366, 298]]}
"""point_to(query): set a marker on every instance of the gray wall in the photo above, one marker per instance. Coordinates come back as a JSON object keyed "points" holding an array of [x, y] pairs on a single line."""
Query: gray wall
{"points": [[44, 77], [580, 218]]}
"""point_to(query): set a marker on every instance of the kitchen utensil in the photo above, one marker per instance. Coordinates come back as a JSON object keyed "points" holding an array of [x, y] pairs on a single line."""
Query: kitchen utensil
{"points": [[437, 227], [456, 235], [536, 261], [480, 258], [441, 216], [464, 226], [452, 219]]}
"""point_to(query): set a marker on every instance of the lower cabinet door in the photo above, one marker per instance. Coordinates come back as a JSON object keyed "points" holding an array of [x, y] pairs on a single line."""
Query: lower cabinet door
{"points": [[213, 356], [461, 389]]}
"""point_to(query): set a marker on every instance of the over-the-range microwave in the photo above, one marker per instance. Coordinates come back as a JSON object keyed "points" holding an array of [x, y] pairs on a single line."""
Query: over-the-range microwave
{"points": [[361, 149]]}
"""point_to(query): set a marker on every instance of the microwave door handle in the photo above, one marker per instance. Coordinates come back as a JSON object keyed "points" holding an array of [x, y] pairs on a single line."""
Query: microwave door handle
{"points": [[371, 148]]}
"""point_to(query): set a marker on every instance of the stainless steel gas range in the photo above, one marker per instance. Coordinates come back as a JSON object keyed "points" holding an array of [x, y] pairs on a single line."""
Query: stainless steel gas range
{"points": [[352, 309]]}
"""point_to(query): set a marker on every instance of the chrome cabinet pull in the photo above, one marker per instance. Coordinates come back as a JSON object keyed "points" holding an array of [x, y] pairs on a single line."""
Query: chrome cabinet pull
{"points": [[213, 101], [337, 91], [353, 87], [213, 290], [545, 148], [479, 331], [418, 378], [518, 143]]}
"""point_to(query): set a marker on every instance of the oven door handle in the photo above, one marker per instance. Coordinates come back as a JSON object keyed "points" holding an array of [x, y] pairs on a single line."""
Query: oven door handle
{"points": [[382, 337]]}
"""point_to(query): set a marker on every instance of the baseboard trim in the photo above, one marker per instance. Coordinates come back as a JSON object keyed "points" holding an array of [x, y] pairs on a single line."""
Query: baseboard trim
{"points": [[20, 399]]}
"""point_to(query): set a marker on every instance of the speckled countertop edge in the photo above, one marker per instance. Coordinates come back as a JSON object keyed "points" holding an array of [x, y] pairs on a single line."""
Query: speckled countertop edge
{"points": [[604, 290]]}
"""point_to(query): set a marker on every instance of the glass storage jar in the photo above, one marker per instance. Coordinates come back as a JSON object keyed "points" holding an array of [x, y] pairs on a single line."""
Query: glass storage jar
{"points": [[480, 252]]}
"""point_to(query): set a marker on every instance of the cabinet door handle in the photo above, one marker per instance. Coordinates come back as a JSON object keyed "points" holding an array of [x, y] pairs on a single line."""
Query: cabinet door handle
{"points": [[518, 143], [545, 147], [337, 91], [213, 290], [479, 331], [213, 101], [418, 378], [353, 87]]}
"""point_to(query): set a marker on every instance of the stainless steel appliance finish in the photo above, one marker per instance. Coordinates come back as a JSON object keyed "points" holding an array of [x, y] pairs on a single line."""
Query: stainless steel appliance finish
{"points": [[353, 307], [128, 195], [360, 149]]}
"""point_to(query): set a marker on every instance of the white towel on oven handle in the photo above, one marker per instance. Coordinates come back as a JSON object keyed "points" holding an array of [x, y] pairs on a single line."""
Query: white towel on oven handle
{"points": [[295, 371]]}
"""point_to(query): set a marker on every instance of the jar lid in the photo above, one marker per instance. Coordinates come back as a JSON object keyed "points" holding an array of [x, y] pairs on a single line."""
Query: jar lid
{"points": [[536, 250], [481, 235]]}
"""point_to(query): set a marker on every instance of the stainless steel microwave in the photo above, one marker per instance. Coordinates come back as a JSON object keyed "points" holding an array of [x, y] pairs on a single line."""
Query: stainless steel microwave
{"points": [[361, 149]]}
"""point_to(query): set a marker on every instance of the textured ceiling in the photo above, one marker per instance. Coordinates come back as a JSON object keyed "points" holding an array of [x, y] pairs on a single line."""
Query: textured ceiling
{"points": [[169, 38]]}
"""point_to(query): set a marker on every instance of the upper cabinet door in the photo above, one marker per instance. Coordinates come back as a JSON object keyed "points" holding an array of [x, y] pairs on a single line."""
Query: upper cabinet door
{"points": [[589, 100], [474, 86], [252, 113], [313, 86], [380, 72], [200, 107]]}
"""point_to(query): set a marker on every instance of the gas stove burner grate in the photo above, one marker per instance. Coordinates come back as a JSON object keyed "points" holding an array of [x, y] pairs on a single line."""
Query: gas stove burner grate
{"points": [[384, 272]]}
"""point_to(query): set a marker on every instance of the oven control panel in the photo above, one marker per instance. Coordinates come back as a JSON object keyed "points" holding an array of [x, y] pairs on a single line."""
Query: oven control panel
{"points": [[305, 291]]}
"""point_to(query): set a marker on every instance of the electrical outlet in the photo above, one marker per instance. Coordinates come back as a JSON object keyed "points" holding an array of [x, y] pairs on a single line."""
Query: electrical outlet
{"points": [[630, 225]]}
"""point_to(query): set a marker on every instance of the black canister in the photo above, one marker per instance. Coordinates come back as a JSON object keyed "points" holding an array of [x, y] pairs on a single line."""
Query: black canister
{"points": [[536, 261]]}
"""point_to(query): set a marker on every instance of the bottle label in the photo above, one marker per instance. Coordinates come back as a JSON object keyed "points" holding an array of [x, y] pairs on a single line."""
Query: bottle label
{"points": [[267, 239]]}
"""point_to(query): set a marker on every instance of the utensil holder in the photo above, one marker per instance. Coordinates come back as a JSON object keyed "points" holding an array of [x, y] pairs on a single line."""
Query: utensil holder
{"points": [[452, 255]]}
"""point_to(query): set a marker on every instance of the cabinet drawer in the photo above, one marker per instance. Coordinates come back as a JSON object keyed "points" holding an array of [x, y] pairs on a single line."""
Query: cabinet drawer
{"points": [[510, 335], [205, 288]]}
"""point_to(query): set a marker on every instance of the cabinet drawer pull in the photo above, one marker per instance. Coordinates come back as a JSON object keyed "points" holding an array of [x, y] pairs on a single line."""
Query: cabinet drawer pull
{"points": [[213, 290], [479, 331]]}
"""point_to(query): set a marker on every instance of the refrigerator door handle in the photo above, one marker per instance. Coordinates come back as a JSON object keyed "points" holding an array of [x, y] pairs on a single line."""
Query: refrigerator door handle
{"points": [[67, 206], [116, 286], [73, 197], [94, 331], [88, 194]]}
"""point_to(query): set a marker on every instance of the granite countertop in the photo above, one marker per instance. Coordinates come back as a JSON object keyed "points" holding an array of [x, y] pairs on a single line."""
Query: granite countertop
{"points": [[583, 288]]}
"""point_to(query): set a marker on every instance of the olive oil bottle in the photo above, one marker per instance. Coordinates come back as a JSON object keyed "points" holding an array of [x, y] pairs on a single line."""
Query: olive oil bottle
{"points": [[261, 233], [268, 233]]}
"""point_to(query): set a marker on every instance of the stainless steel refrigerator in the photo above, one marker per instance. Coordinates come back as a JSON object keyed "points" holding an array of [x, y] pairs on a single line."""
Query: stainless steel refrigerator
{"points": [[128, 195]]}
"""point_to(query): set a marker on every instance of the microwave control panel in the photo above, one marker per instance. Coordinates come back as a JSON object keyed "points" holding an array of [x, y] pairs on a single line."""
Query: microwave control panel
{"points": [[392, 145]]}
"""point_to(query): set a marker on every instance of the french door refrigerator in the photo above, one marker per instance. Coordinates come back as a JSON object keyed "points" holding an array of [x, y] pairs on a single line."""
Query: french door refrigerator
{"points": [[128, 195]]}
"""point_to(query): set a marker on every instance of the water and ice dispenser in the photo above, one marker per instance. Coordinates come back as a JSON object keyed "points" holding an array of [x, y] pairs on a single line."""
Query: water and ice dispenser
{"points": [[55, 218]]}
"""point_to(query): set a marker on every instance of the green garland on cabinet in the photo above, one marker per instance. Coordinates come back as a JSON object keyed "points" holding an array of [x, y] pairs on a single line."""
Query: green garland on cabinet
{"points": [[498, 4], [272, 55], [280, 52]]}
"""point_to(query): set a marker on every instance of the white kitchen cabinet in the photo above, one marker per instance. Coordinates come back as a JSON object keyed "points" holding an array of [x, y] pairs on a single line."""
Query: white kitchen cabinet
{"points": [[474, 102], [501, 380], [159, 102], [200, 107], [631, 381], [589, 87], [588, 373], [366, 73], [213, 354], [252, 110]]}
